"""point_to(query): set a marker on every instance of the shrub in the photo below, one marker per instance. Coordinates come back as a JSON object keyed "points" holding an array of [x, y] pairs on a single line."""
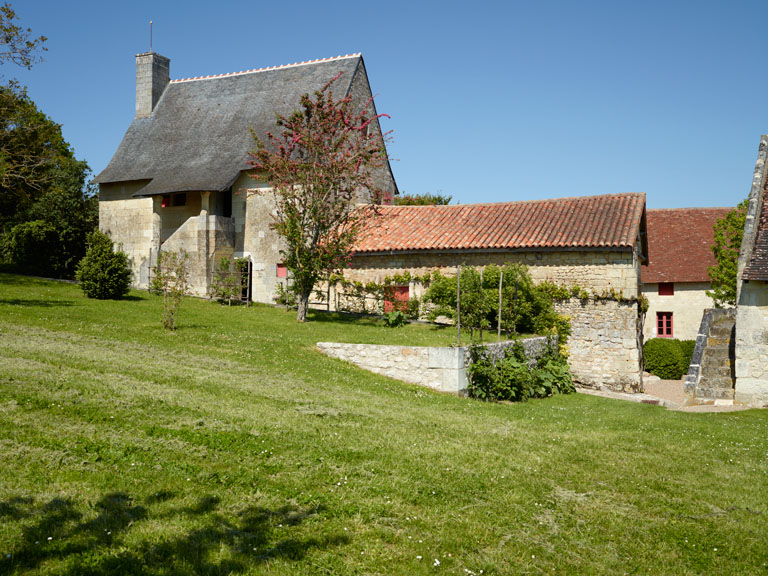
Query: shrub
{"points": [[169, 278], [686, 347], [663, 357], [526, 307], [394, 319], [103, 273], [514, 378], [33, 247]]}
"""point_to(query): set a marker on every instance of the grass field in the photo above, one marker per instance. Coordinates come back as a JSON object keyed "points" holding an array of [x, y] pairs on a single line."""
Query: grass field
{"points": [[233, 446]]}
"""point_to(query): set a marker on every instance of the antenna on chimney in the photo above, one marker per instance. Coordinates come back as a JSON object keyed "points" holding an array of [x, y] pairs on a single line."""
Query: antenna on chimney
{"points": [[150, 35]]}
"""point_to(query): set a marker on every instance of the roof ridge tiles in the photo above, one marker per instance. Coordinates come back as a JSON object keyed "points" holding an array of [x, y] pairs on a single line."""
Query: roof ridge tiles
{"points": [[536, 201], [267, 68]]}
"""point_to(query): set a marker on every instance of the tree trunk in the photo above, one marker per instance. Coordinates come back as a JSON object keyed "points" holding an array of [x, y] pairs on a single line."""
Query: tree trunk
{"points": [[302, 304]]}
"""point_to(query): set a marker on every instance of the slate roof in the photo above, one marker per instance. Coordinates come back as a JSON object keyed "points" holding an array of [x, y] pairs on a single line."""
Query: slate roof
{"points": [[592, 222], [198, 137], [757, 269], [680, 244]]}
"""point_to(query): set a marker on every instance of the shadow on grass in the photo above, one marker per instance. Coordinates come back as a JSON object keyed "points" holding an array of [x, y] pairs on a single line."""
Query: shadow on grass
{"points": [[115, 540], [38, 302], [343, 318]]}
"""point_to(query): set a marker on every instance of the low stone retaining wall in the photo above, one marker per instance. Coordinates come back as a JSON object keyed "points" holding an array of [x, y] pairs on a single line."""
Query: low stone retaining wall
{"points": [[443, 369]]}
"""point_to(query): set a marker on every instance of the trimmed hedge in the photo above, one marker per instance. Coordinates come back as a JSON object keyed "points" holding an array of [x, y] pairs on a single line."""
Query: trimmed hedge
{"points": [[667, 358]]}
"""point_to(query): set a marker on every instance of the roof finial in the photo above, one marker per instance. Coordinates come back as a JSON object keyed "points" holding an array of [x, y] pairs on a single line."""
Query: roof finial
{"points": [[150, 35]]}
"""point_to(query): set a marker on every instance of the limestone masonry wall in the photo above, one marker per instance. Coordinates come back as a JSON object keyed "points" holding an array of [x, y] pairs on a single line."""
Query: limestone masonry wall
{"points": [[129, 222], [604, 344], [598, 270], [442, 369], [752, 344]]}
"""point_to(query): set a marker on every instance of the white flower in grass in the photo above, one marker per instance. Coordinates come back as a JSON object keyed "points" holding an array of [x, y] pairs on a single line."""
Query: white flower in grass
{"points": [[437, 562], [418, 557]]}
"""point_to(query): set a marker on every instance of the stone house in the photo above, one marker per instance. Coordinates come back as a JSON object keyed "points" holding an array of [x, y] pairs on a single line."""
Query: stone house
{"points": [[179, 178], [751, 346], [597, 242], [676, 278]]}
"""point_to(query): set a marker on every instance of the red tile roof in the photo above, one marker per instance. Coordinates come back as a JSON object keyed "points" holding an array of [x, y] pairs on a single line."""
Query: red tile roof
{"points": [[680, 244], [610, 221]]}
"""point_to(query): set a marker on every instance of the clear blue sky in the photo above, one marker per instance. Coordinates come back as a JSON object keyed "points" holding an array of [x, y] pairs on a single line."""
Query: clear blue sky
{"points": [[490, 101]]}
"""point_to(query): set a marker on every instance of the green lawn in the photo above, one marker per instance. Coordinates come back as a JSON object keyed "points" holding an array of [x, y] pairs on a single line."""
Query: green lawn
{"points": [[233, 446]]}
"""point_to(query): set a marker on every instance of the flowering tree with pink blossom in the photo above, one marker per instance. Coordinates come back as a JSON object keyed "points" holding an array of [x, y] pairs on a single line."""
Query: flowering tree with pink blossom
{"points": [[319, 167]]}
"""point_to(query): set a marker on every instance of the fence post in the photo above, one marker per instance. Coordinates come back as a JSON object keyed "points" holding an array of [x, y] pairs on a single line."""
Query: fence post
{"points": [[482, 294], [458, 305], [498, 322]]}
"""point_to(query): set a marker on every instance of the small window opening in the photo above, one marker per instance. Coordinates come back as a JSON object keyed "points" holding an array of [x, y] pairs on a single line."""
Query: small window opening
{"points": [[666, 288], [166, 201], [180, 199], [282, 271], [664, 324]]}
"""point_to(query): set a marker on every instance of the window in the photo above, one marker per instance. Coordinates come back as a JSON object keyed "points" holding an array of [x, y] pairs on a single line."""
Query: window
{"points": [[174, 200], [666, 288], [664, 324], [282, 271]]}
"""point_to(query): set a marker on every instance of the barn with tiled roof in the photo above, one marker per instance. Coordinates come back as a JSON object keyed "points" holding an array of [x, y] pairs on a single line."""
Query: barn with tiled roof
{"points": [[595, 242]]}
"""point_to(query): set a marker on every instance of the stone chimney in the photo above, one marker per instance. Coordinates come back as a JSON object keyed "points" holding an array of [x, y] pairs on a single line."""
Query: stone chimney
{"points": [[153, 72]]}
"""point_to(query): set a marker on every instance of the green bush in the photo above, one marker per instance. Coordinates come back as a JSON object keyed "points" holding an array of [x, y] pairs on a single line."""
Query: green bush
{"points": [[33, 248], [514, 379], [663, 357], [686, 347], [526, 307], [395, 319], [103, 273]]}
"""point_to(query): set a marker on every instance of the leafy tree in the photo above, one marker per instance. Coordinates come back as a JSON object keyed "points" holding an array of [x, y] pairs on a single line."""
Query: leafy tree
{"points": [[728, 232], [104, 272], [16, 44], [422, 200], [40, 179], [316, 167]]}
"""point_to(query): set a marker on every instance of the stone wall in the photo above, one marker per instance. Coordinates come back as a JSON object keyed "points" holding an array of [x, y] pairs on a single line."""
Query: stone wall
{"points": [[594, 270], [752, 344], [710, 375], [442, 369], [202, 237], [687, 305], [604, 346], [130, 223]]}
